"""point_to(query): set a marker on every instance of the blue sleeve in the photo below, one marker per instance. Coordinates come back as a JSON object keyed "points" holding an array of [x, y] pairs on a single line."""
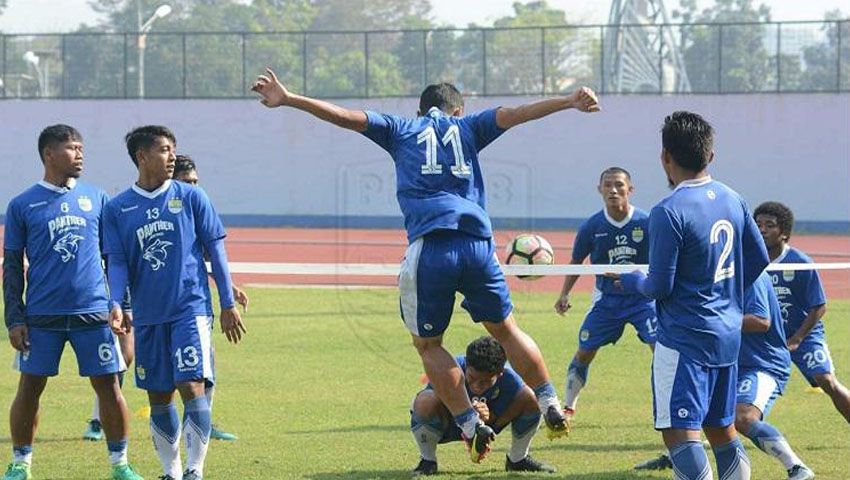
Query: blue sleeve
{"points": [[221, 272], [484, 127], [582, 245], [665, 241], [111, 237], [811, 285], [117, 275], [208, 224], [756, 301], [13, 287], [381, 128], [104, 198], [754, 250], [15, 232]]}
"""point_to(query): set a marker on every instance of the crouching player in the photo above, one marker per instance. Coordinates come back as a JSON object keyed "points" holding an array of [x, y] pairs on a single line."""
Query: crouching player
{"points": [[499, 396]]}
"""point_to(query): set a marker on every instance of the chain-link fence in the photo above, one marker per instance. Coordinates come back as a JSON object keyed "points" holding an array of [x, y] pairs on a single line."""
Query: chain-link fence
{"points": [[674, 58]]}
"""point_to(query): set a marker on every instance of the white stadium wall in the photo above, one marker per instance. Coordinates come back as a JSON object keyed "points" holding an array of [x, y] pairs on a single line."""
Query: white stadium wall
{"points": [[282, 167]]}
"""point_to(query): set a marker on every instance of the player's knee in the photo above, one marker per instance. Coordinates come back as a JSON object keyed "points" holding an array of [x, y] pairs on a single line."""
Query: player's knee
{"points": [[828, 383], [425, 345], [744, 420], [427, 404], [191, 390], [31, 386], [502, 331], [585, 356], [527, 401], [106, 385]]}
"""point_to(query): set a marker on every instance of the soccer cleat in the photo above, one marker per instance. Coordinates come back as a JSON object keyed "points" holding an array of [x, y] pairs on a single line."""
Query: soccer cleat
{"points": [[425, 468], [125, 472], [800, 472], [661, 462], [18, 471], [527, 464], [557, 424], [479, 444], [191, 475], [94, 431], [219, 434]]}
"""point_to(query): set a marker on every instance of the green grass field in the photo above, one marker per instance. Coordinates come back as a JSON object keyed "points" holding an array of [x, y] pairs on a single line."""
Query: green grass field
{"points": [[321, 386]]}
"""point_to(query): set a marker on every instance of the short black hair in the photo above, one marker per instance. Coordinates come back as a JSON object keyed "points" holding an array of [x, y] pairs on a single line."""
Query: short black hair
{"points": [[615, 170], [54, 134], [689, 139], [486, 355], [784, 215], [144, 137], [183, 164], [444, 96]]}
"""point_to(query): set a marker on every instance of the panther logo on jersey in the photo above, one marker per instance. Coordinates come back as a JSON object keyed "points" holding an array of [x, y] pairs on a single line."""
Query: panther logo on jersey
{"points": [[67, 246], [156, 253]]}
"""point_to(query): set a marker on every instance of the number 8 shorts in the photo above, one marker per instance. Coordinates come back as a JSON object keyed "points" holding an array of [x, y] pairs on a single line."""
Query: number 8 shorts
{"points": [[174, 352]]}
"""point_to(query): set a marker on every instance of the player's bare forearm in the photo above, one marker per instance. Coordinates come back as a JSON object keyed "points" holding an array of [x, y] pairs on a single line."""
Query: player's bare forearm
{"points": [[332, 113], [809, 323], [755, 324], [583, 99]]}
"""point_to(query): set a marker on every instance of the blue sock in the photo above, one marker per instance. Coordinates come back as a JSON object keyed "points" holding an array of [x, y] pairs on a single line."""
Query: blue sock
{"points": [[467, 421], [22, 454], [165, 422], [117, 451], [732, 461], [196, 413], [690, 461], [771, 442], [546, 396]]}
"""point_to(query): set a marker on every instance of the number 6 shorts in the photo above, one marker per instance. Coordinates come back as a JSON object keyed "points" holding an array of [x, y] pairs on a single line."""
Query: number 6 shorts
{"points": [[96, 349], [175, 352]]}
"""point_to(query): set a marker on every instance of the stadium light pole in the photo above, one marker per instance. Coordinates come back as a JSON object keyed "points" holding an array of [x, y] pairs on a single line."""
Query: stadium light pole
{"points": [[160, 12]]}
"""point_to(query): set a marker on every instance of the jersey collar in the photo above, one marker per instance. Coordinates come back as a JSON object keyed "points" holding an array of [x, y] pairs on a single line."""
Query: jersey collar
{"points": [[697, 182], [72, 182], [153, 194], [622, 223], [435, 112], [782, 255]]}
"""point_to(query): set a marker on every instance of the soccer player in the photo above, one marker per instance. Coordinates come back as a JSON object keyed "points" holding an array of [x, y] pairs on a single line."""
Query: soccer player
{"points": [[704, 250], [764, 365], [498, 395], [57, 225], [614, 235], [185, 171], [803, 305], [155, 234], [441, 193]]}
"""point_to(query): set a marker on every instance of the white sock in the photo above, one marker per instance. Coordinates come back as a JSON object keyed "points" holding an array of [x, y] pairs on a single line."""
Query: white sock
{"points": [[782, 452], [520, 445], [95, 413], [208, 392], [427, 439], [165, 431], [196, 433]]}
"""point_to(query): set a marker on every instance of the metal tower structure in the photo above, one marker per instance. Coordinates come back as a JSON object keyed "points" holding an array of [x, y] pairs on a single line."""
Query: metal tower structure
{"points": [[641, 54]]}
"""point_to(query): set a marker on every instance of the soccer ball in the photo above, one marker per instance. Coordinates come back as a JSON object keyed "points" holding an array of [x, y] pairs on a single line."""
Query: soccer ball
{"points": [[529, 249]]}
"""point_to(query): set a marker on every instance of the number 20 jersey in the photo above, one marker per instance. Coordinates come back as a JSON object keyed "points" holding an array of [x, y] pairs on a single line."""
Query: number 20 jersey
{"points": [[438, 179], [162, 234]]}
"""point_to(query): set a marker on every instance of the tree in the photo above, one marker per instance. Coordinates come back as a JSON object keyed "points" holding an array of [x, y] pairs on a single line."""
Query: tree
{"points": [[821, 60], [728, 58]]}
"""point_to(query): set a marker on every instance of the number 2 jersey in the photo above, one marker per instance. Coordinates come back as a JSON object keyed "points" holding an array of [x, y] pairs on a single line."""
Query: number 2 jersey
{"points": [[438, 179], [704, 234], [162, 236], [59, 229]]}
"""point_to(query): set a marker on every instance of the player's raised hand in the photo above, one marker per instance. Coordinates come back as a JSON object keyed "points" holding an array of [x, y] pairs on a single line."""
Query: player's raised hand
{"points": [[116, 320], [19, 338], [241, 298], [231, 325], [584, 99], [563, 304], [273, 93]]}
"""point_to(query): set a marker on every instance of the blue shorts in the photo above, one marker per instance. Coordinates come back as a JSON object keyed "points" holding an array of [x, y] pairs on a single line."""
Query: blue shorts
{"points": [[759, 389], [686, 395], [604, 324], [812, 358], [96, 348], [444, 262], [174, 352]]}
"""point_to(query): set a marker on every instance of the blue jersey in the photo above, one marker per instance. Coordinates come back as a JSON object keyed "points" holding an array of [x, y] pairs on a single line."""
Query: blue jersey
{"points": [[500, 396], [609, 242], [765, 351], [162, 235], [798, 292], [59, 230], [703, 236], [438, 179]]}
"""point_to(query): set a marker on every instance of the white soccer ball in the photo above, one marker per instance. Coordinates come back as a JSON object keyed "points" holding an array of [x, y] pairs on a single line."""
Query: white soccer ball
{"points": [[529, 249]]}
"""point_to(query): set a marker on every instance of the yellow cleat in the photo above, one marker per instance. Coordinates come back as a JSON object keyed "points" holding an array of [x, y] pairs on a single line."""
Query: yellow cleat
{"points": [[557, 423]]}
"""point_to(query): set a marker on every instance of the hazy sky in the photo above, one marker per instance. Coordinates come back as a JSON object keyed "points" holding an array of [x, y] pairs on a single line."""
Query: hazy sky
{"points": [[63, 15]]}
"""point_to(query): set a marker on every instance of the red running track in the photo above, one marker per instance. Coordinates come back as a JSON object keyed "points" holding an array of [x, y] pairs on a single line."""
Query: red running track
{"points": [[299, 245]]}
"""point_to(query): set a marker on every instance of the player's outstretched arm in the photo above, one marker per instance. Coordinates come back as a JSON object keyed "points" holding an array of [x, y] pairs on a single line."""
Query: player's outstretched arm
{"points": [[584, 99], [274, 94]]}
